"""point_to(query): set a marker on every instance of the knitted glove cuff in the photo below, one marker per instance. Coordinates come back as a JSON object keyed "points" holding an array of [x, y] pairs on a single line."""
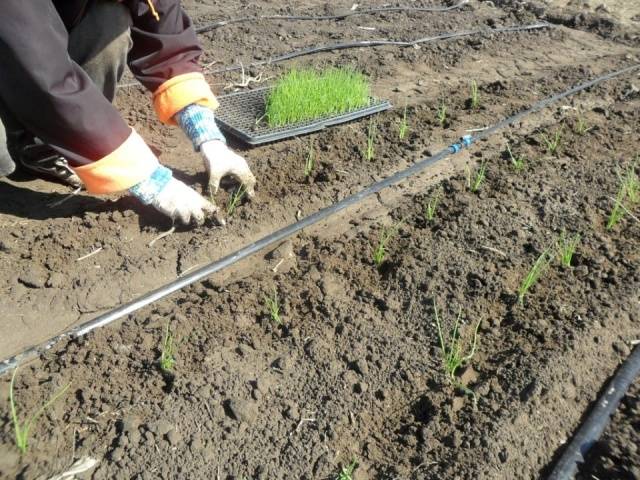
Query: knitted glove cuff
{"points": [[199, 124], [147, 190]]}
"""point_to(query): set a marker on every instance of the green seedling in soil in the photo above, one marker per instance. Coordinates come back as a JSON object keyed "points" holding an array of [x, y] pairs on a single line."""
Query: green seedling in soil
{"points": [[552, 144], [474, 100], [431, 206], [235, 199], [167, 351], [302, 95], [23, 430], [632, 184], [404, 125], [567, 247], [346, 473], [370, 151], [310, 162], [539, 267], [380, 251], [453, 349], [442, 114], [273, 306], [516, 160], [580, 126], [618, 210], [477, 179]]}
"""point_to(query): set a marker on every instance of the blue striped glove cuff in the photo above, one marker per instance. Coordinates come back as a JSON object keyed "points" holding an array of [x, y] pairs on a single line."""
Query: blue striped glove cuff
{"points": [[147, 190], [199, 124]]}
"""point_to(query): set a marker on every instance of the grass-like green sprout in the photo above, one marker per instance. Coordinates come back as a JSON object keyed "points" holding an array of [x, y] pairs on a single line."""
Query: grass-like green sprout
{"points": [[23, 430], [235, 199], [475, 180], [370, 151], [310, 161], [632, 184], [403, 130], [303, 95], [552, 143], [380, 250], [474, 100], [167, 351], [567, 246], [346, 472], [442, 114], [533, 275], [273, 306], [431, 206], [518, 161], [453, 349], [618, 210], [580, 125]]}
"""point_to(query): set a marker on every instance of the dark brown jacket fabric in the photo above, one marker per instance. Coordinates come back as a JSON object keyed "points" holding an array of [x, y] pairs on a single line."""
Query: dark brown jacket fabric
{"points": [[55, 99]]}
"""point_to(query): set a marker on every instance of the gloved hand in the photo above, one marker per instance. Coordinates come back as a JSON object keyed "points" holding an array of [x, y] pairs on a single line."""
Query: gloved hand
{"points": [[199, 125], [174, 199], [220, 161]]}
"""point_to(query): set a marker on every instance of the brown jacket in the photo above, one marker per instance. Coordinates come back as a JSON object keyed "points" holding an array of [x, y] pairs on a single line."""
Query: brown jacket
{"points": [[55, 99]]}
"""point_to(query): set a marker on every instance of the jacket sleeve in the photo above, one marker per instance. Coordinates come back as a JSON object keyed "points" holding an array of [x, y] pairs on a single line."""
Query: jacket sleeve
{"points": [[55, 99], [164, 57]]}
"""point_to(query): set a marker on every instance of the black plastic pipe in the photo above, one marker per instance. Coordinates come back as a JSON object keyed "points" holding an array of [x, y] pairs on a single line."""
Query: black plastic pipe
{"points": [[341, 16], [368, 44], [590, 431], [290, 230]]}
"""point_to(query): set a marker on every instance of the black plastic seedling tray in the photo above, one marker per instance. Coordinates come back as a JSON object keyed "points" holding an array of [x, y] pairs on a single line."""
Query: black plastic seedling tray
{"points": [[238, 114]]}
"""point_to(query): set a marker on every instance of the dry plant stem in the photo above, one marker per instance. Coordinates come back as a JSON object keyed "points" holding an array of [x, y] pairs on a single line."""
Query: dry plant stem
{"points": [[161, 236]]}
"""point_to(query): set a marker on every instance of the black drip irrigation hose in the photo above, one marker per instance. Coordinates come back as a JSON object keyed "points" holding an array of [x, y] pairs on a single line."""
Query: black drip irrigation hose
{"points": [[288, 231], [381, 43], [369, 11], [590, 431], [369, 44]]}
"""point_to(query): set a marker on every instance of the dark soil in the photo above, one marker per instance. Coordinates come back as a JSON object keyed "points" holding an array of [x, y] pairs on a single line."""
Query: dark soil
{"points": [[354, 369]]}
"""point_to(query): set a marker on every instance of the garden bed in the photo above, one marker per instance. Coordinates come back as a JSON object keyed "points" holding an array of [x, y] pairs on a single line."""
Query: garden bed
{"points": [[353, 369]]}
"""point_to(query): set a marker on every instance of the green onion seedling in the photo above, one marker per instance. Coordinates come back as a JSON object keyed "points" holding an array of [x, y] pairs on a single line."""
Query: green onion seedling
{"points": [[552, 144], [273, 306], [474, 101], [518, 161], [632, 184], [404, 125], [567, 246], [431, 206], [23, 430], [539, 267], [167, 351], [371, 140], [618, 210], [581, 127], [452, 349], [235, 199], [380, 250], [477, 179], [346, 473], [442, 114], [310, 162]]}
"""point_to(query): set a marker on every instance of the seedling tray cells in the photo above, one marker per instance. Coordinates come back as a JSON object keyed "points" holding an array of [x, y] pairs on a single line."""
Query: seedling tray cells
{"points": [[241, 115]]}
